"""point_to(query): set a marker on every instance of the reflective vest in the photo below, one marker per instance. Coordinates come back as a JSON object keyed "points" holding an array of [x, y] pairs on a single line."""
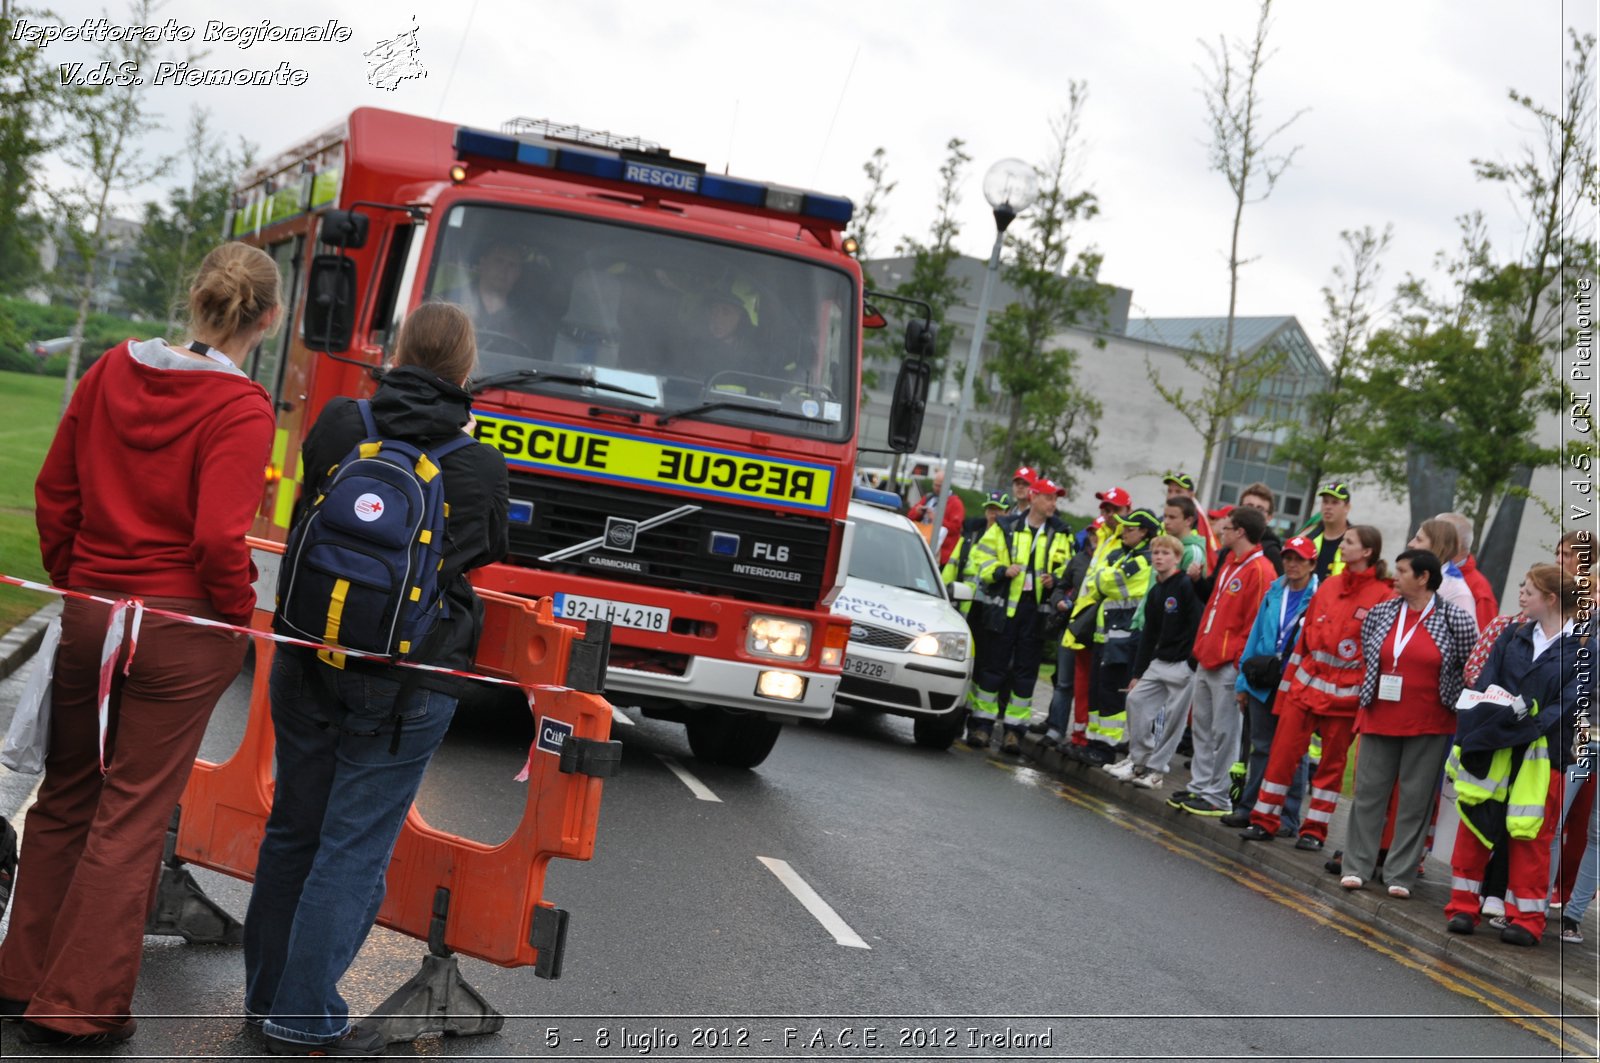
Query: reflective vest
{"points": [[1524, 795], [962, 569], [1011, 541], [1107, 542], [1335, 566], [1119, 586]]}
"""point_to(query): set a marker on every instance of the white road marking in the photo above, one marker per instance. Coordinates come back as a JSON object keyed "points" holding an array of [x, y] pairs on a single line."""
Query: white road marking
{"points": [[617, 716], [814, 904], [696, 787]]}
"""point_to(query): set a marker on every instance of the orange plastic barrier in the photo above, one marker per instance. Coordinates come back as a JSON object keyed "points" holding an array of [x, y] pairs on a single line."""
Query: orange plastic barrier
{"points": [[494, 908]]}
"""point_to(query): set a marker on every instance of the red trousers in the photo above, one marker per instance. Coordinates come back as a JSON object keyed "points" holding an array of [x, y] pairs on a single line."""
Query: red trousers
{"points": [[1289, 744], [91, 845], [1576, 839], [1528, 878], [1082, 662]]}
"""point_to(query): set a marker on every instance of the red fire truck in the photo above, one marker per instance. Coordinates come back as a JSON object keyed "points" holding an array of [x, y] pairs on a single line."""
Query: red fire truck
{"points": [[669, 360]]}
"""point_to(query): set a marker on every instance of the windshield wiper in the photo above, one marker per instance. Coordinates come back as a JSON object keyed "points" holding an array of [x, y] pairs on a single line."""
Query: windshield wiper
{"points": [[745, 407], [526, 376]]}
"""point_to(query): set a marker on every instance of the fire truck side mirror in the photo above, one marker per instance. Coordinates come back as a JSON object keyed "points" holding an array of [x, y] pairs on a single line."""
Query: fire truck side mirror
{"points": [[910, 403], [920, 337], [345, 229], [329, 319]]}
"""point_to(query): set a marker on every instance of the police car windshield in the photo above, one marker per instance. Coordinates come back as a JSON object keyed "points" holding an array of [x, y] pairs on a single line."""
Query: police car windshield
{"points": [[896, 556], [690, 328]]}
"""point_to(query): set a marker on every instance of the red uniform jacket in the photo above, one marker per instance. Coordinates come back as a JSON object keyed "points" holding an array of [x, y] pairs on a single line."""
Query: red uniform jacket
{"points": [[1324, 673], [1231, 610]]}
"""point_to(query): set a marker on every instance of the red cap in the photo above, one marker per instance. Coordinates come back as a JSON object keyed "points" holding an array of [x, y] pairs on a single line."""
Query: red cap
{"points": [[1046, 486], [1302, 547], [1026, 475], [1219, 512], [1098, 522], [1115, 497]]}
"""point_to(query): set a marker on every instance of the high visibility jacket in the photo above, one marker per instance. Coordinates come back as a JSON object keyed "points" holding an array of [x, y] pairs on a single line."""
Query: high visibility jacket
{"points": [[962, 568], [1037, 553], [1106, 542], [1118, 588], [1324, 672], [1314, 531], [1478, 797]]}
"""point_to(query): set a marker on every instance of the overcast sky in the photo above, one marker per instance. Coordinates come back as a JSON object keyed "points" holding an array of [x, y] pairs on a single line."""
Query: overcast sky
{"points": [[1400, 96]]}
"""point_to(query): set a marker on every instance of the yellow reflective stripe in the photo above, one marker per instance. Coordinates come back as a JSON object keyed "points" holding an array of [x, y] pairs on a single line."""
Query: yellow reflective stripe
{"points": [[330, 634], [426, 469], [369, 450]]}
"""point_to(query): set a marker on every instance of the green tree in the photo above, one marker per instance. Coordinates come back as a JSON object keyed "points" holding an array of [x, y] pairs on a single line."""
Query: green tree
{"points": [[106, 124], [1050, 420], [1460, 384], [1240, 150], [29, 91], [174, 239], [1320, 442]]}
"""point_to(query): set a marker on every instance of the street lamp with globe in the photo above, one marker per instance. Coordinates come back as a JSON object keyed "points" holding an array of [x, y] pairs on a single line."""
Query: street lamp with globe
{"points": [[1010, 186]]}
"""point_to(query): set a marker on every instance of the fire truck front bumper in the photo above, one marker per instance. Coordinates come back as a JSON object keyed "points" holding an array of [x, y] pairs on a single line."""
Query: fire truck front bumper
{"points": [[766, 688]]}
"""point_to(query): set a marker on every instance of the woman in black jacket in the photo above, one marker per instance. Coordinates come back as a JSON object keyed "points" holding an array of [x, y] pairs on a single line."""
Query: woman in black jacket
{"points": [[1535, 660], [353, 742]]}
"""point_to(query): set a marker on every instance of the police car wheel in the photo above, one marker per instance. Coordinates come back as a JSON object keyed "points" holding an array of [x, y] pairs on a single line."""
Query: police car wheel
{"points": [[939, 732], [731, 740]]}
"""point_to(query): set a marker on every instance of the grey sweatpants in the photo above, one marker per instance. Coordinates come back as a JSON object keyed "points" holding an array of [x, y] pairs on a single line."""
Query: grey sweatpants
{"points": [[1215, 730], [1158, 708], [1415, 762]]}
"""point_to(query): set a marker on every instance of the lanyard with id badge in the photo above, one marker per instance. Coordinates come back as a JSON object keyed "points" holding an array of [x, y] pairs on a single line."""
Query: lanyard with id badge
{"points": [[1388, 682]]}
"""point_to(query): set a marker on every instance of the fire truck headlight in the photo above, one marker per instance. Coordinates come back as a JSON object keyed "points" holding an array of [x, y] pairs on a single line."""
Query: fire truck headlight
{"points": [[951, 644], [776, 636], [781, 686]]}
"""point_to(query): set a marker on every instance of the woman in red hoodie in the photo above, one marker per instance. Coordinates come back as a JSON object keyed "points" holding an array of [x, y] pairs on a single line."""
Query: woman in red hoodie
{"points": [[147, 492]]}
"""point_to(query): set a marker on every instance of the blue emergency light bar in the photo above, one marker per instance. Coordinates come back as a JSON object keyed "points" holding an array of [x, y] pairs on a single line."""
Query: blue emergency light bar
{"points": [[659, 171]]}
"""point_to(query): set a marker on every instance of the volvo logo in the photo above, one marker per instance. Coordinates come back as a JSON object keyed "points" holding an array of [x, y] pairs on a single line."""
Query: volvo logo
{"points": [[621, 534]]}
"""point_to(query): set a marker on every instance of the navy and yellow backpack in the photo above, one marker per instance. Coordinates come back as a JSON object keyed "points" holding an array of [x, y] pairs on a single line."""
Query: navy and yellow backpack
{"points": [[361, 570]]}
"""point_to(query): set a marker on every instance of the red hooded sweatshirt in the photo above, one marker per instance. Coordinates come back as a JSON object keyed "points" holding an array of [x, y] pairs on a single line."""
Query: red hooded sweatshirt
{"points": [[153, 478], [1231, 611]]}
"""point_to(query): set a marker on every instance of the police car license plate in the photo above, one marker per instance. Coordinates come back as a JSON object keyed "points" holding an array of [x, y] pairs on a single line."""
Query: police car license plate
{"points": [[863, 667], [623, 614]]}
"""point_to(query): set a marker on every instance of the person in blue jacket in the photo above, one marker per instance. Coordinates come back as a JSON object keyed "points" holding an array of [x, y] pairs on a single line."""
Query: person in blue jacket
{"points": [[1260, 669]]}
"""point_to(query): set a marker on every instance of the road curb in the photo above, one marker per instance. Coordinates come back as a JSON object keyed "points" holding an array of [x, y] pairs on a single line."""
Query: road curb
{"points": [[18, 644], [1562, 971]]}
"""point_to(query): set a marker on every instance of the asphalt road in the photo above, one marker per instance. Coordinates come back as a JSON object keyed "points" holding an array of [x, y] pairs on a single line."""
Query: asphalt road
{"points": [[967, 893]]}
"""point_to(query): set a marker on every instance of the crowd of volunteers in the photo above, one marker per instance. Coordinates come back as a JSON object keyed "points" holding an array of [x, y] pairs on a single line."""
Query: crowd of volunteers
{"points": [[1184, 639], [147, 492]]}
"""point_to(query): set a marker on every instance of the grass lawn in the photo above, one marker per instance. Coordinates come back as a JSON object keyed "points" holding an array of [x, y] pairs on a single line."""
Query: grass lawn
{"points": [[32, 408]]}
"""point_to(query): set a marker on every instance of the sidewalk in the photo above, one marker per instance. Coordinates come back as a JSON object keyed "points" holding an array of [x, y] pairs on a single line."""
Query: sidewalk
{"points": [[1566, 973]]}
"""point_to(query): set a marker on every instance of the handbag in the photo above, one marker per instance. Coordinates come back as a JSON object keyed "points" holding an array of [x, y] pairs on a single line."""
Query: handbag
{"points": [[28, 738]]}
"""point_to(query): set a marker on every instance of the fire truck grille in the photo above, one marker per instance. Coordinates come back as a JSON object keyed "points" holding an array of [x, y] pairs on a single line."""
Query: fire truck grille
{"points": [[704, 546]]}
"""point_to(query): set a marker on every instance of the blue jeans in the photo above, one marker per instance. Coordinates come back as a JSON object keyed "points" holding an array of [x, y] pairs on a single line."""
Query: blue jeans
{"points": [[341, 799], [1262, 726], [1059, 722], [1583, 887]]}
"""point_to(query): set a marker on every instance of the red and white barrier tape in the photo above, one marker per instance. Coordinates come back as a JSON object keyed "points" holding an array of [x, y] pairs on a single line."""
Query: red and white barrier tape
{"points": [[116, 625]]}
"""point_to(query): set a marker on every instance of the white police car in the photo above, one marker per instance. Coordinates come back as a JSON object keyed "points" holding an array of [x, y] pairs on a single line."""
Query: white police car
{"points": [[910, 652]]}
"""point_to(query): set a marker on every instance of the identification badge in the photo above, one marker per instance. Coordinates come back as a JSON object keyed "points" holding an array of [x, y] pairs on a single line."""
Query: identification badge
{"points": [[1388, 688], [1027, 583]]}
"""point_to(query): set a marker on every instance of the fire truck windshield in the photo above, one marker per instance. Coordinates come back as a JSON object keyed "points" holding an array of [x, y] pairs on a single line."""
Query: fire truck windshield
{"points": [[686, 328]]}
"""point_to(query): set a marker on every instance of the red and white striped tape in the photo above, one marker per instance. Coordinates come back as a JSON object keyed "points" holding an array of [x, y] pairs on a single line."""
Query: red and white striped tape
{"points": [[117, 624]]}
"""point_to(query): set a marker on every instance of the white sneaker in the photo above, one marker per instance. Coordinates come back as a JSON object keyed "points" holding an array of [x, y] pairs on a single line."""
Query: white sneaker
{"points": [[1122, 769], [1150, 780], [1493, 906]]}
